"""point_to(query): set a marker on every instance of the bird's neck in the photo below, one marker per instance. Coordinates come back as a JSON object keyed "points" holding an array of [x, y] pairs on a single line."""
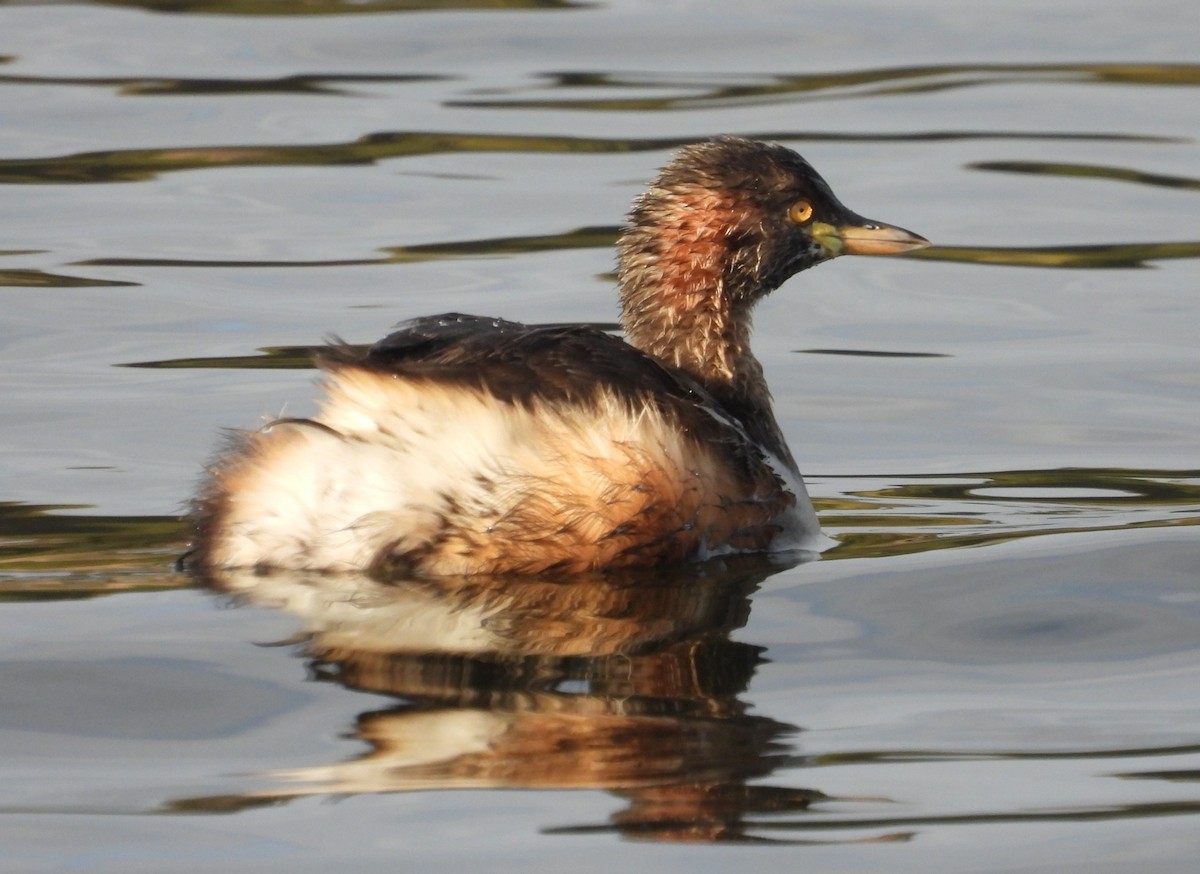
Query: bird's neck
{"points": [[693, 331], [677, 307], [677, 302]]}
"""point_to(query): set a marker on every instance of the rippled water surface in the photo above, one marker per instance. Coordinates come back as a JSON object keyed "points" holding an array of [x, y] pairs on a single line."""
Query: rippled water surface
{"points": [[996, 665]]}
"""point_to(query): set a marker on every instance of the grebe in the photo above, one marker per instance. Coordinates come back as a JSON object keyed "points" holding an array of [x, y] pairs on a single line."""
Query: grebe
{"points": [[469, 445]]}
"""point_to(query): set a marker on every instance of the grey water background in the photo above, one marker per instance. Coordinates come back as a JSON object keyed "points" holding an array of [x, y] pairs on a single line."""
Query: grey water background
{"points": [[996, 668]]}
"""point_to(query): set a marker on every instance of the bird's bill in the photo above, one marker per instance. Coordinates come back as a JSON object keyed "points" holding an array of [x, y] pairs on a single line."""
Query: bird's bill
{"points": [[865, 237]]}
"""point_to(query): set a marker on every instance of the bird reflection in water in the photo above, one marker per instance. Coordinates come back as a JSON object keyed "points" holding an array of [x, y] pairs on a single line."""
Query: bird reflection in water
{"points": [[626, 682]]}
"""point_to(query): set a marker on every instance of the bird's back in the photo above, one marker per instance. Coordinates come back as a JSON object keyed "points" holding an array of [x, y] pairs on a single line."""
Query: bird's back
{"points": [[462, 444]]}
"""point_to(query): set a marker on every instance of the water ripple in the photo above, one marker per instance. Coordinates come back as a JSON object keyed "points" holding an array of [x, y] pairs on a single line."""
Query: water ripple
{"points": [[137, 165], [707, 91]]}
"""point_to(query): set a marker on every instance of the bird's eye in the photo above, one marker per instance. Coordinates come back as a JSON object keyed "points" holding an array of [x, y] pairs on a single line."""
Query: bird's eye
{"points": [[800, 211]]}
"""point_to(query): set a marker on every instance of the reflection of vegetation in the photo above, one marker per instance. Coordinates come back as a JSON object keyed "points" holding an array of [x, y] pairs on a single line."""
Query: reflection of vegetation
{"points": [[1182, 776], [579, 238], [691, 91], [1088, 171], [41, 279], [1156, 487], [136, 165], [166, 85], [96, 553], [707, 91], [877, 757], [140, 164], [1097, 813], [872, 353], [1115, 255], [75, 586], [332, 7], [1100, 256], [919, 514]]}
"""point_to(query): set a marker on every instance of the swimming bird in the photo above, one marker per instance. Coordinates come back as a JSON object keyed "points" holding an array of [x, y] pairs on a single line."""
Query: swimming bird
{"points": [[472, 445]]}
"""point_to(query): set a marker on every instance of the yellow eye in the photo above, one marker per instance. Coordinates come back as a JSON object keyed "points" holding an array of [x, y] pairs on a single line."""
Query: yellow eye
{"points": [[800, 211]]}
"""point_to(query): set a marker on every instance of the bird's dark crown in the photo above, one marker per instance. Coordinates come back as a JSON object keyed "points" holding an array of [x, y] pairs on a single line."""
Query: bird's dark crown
{"points": [[729, 203]]}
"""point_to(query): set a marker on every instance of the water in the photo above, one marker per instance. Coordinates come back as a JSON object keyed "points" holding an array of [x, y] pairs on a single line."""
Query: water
{"points": [[995, 667]]}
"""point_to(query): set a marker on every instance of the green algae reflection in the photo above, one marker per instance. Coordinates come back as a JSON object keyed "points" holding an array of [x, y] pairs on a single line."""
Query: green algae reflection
{"points": [[49, 554], [332, 7], [904, 515]]}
